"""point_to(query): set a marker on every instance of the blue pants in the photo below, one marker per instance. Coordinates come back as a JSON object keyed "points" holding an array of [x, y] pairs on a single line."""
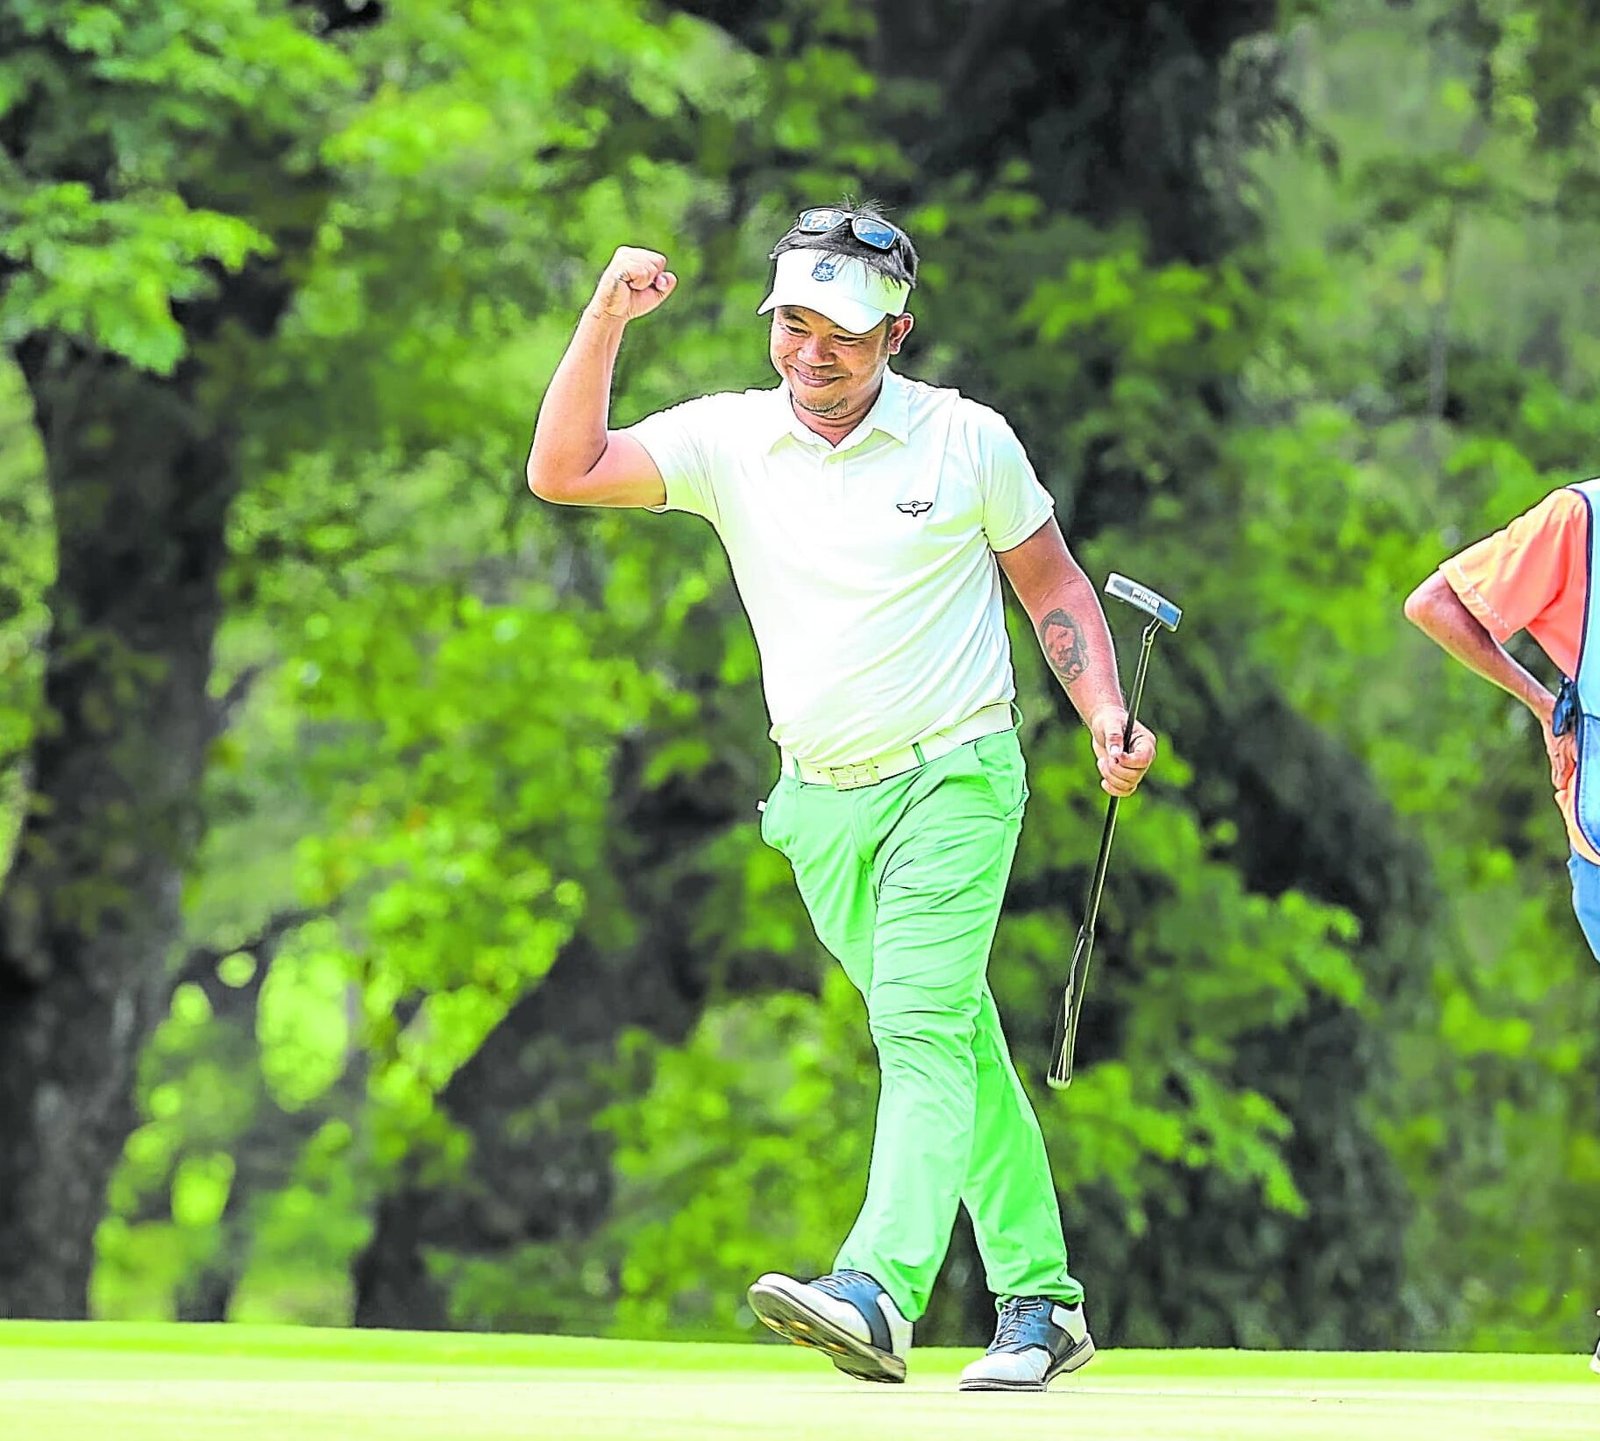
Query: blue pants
{"points": [[1586, 898]]}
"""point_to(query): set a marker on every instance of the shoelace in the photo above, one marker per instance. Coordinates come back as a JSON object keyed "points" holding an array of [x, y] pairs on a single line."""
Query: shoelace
{"points": [[1015, 1323], [835, 1283]]}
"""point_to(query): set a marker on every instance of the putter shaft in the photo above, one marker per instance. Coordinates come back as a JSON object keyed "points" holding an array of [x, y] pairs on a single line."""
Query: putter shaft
{"points": [[1162, 613]]}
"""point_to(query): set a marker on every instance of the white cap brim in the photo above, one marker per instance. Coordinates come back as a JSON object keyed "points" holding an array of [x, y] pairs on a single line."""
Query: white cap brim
{"points": [[846, 290]]}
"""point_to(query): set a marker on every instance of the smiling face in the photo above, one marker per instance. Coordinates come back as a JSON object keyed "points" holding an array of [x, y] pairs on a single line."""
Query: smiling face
{"points": [[832, 374]]}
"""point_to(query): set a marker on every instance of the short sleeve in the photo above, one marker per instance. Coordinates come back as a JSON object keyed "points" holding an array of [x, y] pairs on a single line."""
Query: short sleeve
{"points": [[1014, 503], [681, 441], [1509, 579]]}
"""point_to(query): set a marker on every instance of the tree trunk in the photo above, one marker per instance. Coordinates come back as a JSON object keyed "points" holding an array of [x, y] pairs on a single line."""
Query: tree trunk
{"points": [[141, 479]]}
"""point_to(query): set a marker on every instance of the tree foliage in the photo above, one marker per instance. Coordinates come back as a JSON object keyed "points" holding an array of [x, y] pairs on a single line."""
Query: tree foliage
{"points": [[484, 1005]]}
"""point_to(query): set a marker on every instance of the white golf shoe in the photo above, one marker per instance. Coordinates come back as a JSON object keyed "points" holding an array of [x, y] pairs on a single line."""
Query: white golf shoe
{"points": [[1035, 1340], [847, 1315]]}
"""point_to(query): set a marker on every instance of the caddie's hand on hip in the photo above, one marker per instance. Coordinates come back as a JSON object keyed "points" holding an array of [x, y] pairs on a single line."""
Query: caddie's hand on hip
{"points": [[633, 283], [1122, 758], [1563, 753]]}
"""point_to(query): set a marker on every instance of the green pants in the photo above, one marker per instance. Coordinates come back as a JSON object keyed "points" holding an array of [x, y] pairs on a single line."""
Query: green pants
{"points": [[904, 881]]}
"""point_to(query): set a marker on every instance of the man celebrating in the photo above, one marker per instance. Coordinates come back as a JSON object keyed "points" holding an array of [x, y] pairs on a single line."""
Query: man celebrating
{"points": [[864, 515], [1537, 575]]}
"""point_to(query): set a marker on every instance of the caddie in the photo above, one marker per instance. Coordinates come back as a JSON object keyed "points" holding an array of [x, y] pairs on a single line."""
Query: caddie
{"points": [[1537, 575], [868, 518]]}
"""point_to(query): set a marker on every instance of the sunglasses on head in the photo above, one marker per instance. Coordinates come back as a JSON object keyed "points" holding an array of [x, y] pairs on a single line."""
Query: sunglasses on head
{"points": [[868, 229]]}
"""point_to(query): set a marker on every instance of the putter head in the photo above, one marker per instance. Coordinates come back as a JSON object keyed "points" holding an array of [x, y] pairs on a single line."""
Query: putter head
{"points": [[1141, 597]]}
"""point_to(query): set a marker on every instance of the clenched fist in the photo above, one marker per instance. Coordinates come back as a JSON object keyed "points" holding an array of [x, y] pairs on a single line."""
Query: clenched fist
{"points": [[633, 283]]}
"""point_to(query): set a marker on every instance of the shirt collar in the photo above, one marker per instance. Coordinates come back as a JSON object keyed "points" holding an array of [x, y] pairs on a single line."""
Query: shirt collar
{"points": [[890, 413]]}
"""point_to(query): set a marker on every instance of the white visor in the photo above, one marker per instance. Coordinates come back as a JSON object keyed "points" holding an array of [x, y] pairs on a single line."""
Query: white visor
{"points": [[848, 291]]}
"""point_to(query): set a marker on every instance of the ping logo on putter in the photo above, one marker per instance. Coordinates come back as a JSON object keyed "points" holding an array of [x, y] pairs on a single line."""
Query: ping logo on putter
{"points": [[1145, 599], [913, 508]]}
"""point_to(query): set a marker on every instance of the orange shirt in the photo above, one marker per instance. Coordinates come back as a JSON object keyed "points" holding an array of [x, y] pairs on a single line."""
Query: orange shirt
{"points": [[1534, 576]]}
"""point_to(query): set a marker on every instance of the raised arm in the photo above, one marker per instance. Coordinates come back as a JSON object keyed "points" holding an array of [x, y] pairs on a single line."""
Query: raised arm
{"points": [[1066, 615], [576, 459]]}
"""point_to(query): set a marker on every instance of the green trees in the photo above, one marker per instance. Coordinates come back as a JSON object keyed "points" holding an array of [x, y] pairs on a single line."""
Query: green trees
{"points": [[278, 239], [129, 147], [420, 816]]}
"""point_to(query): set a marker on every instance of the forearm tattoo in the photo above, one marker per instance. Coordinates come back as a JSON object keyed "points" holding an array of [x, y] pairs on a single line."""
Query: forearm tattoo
{"points": [[1062, 639]]}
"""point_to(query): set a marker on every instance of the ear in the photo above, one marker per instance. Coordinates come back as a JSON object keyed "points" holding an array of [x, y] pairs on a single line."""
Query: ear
{"points": [[899, 328]]}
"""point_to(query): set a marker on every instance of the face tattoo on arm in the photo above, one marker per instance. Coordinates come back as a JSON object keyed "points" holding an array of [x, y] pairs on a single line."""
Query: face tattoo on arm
{"points": [[1062, 639]]}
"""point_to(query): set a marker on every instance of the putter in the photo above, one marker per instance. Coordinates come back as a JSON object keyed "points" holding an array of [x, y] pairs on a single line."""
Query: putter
{"points": [[1163, 615]]}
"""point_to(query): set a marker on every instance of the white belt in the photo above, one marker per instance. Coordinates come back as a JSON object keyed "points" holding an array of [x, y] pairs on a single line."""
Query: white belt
{"points": [[987, 722]]}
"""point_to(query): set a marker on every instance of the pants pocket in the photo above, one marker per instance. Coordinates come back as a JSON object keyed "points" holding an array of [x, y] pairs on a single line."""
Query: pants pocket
{"points": [[771, 813], [1004, 771]]}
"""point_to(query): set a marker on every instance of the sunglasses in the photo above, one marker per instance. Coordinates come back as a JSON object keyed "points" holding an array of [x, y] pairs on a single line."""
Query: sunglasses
{"points": [[879, 234]]}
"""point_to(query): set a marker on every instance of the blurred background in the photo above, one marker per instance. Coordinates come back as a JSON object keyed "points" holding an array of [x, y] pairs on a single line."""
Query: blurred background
{"points": [[385, 937]]}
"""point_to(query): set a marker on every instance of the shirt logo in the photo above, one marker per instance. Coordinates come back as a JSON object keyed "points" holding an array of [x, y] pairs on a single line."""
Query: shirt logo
{"points": [[913, 508], [826, 268]]}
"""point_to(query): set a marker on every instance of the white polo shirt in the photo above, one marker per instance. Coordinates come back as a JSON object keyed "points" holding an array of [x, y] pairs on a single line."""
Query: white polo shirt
{"points": [[867, 569]]}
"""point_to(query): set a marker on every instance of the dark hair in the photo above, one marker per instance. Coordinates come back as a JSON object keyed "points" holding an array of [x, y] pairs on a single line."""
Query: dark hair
{"points": [[898, 264]]}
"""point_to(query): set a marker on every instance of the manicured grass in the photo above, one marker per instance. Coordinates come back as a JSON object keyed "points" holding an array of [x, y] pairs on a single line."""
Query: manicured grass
{"points": [[63, 1382]]}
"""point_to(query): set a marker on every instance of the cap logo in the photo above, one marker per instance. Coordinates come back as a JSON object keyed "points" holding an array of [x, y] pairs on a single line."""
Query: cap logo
{"points": [[826, 268]]}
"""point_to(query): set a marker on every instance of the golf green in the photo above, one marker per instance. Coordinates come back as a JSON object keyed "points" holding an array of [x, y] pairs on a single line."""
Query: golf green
{"points": [[74, 1382]]}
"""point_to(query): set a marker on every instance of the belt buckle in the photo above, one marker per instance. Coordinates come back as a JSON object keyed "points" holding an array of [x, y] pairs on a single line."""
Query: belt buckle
{"points": [[852, 777]]}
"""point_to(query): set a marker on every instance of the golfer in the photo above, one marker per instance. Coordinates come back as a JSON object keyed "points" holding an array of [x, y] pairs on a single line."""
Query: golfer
{"points": [[1537, 575], [867, 518]]}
